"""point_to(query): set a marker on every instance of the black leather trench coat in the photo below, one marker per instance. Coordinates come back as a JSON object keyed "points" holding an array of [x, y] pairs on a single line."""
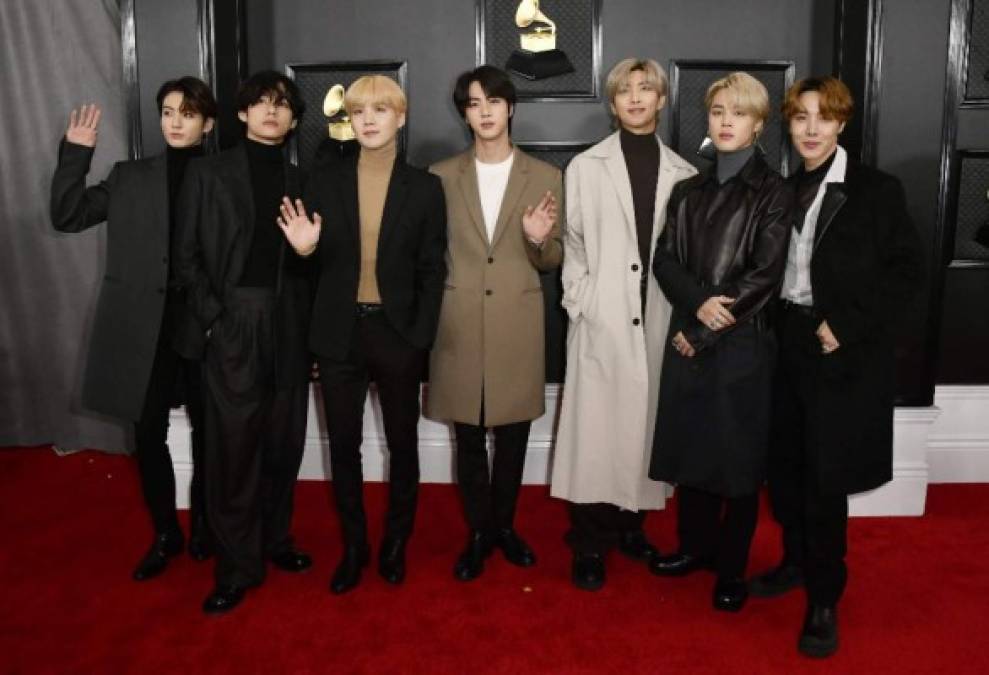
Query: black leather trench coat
{"points": [[712, 426]]}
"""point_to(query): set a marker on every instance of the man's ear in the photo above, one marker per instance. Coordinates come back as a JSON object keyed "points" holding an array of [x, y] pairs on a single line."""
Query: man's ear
{"points": [[242, 116], [401, 120], [208, 125], [294, 124], [841, 127], [662, 103]]}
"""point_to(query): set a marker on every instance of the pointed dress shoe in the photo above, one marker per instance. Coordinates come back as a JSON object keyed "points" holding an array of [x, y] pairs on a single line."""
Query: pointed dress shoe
{"points": [[819, 637], [348, 573], [729, 594], [777, 581], [391, 561], [155, 561], [633, 544], [587, 571], [514, 547], [677, 564], [223, 599], [470, 564], [291, 560]]}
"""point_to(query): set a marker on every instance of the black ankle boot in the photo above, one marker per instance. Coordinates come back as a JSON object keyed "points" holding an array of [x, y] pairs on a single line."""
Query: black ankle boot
{"points": [[155, 560]]}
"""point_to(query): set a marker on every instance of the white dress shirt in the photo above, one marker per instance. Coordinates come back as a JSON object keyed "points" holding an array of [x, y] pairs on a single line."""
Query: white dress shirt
{"points": [[492, 179]]}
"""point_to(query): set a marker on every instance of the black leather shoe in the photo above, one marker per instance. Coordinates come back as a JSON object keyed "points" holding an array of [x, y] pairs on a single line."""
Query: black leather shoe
{"points": [[819, 638], [155, 560], [391, 560], [200, 540], [729, 594], [676, 564], [587, 572], [633, 543], [515, 549], [348, 572], [777, 581], [470, 564], [223, 599], [292, 560]]}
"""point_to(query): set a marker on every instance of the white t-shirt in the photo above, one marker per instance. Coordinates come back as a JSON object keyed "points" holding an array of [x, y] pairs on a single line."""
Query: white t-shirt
{"points": [[492, 179]]}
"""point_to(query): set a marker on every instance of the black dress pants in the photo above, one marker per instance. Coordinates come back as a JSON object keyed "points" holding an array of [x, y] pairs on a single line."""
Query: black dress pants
{"points": [[598, 528], [814, 520], [717, 528], [377, 353], [255, 437], [489, 501], [154, 461]]}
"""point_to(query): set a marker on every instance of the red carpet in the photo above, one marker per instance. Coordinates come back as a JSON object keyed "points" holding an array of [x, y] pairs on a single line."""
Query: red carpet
{"points": [[73, 527]]}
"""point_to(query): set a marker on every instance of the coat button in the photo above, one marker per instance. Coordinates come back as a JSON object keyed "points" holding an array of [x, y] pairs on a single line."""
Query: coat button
{"points": [[490, 260], [635, 267], [488, 292], [635, 321]]}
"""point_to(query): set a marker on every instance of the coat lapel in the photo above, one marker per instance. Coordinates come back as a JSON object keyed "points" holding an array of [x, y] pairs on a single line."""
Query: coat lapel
{"points": [[347, 188], [241, 186], [517, 180], [615, 164], [835, 197], [398, 190], [471, 195], [158, 192]]}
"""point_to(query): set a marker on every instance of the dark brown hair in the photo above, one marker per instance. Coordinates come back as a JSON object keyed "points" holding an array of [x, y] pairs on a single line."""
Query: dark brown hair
{"points": [[196, 96]]}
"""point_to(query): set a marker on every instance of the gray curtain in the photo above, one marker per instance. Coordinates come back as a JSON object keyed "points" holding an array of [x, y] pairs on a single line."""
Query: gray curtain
{"points": [[54, 55]]}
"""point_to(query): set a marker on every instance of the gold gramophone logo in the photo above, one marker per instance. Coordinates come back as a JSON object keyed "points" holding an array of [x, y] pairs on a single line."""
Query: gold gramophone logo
{"points": [[538, 57], [340, 128]]}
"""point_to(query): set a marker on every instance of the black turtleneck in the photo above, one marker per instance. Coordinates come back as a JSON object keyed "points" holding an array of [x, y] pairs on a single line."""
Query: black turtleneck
{"points": [[176, 161], [267, 168], [641, 154], [808, 183]]}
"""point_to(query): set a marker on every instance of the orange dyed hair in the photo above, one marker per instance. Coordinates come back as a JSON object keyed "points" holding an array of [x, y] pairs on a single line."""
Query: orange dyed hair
{"points": [[836, 100]]}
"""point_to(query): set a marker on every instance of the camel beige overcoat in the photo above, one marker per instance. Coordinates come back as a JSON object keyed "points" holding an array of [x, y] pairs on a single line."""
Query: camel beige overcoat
{"points": [[614, 355], [491, 335]]}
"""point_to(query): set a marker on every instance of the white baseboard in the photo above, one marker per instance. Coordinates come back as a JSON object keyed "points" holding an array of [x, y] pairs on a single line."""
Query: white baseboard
{"points": [[942, 444], [958, 445]]}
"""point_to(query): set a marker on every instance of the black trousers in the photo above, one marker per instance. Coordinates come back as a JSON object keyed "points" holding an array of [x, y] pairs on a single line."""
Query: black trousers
{"points": [[489, 501], [377, 353], [255, 437], [597, 528], [717, 528], [814, 520], [154, 461]]}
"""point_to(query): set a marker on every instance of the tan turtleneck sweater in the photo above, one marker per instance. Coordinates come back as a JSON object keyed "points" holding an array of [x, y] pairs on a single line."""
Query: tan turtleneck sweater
{"points": [[374, 169]]}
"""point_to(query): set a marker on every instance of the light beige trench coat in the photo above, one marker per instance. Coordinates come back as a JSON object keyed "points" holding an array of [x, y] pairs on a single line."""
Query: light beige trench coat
{"points": [[491, 334], [608, 410]]}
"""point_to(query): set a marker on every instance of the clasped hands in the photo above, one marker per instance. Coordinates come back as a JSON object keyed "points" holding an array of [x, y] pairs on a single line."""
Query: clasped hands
{"points": [[714, 314]]}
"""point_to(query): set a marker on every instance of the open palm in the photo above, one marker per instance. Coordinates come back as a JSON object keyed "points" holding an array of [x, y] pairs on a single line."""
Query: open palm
{"points": [[84, 125]]}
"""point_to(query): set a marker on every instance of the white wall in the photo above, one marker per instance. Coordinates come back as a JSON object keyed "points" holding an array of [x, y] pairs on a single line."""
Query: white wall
{"points": [[946, 443]]}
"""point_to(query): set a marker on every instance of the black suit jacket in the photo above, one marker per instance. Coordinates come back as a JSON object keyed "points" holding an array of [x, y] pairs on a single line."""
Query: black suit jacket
{"points": [[133, 201], [213, 237], [410, 266], [866, 268]]}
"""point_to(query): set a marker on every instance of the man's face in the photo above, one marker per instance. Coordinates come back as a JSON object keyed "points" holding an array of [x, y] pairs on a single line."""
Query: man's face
{"points": [[375, 124], [182, 128], [728, 125], [814, 136], [269, 120], [487, 115], [637, 104]]}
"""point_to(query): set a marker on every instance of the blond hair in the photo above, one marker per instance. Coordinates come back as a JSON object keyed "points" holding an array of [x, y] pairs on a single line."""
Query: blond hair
{"points": [[618, 77], [371, 90], [749, 94]]}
